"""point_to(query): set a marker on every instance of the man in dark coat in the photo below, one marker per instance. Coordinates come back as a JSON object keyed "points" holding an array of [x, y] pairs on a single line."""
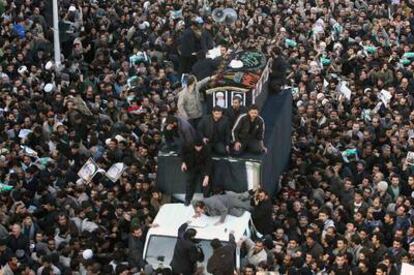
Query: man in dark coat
{"points": [[178, 132], [235, 110], [187, 49], [136, 248], [262, 212], [278, 71], [248, 132], [204, 67], [17, 240], [215, 131], [186, 254], [222, 261], [206, 39], [197, 164]]}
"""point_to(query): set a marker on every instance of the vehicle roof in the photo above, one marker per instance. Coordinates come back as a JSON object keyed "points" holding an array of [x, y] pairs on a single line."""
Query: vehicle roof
{"points": [[171, 216]]}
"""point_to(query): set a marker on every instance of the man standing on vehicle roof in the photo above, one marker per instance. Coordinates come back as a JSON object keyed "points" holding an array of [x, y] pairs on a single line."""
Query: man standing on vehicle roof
{"points": [[197, 164]]}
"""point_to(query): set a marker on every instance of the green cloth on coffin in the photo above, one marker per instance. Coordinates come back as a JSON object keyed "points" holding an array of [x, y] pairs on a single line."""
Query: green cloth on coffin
{"points": [[252, 60]]}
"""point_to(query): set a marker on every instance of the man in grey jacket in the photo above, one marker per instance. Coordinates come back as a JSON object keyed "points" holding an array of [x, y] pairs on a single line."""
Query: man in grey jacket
{"points": [[189, 100], [230, 203]]}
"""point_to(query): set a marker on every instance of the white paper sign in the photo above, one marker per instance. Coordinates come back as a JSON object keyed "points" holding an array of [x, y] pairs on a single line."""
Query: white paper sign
{"points": [[385, 97], [407, 269], [29, 151], [343, 89], [24, 133], [410, 158], [115, 171], [88, 170]]}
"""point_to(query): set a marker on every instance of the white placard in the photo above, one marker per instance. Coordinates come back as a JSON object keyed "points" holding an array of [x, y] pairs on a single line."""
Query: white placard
{"points": [[410, 158], [88, 170], [115, 171], [385, 97], [344, 90], [407, 269], [29, 151]]}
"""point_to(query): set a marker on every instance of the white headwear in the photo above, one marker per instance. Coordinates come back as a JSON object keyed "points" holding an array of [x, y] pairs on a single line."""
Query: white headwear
{"points": [[72, 8], [49, 65], [22, 69], [48, 88], [382, 186], [87, 254], [147, 4]]}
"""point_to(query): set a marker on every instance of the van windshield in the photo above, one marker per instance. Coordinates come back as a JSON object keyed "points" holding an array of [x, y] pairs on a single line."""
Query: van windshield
{"points": [[161, 249]]}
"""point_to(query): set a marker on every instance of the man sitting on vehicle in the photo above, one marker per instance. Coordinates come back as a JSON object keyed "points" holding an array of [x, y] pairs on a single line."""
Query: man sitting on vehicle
{"points": [[215, 131], [248, 132], [222, 204]]}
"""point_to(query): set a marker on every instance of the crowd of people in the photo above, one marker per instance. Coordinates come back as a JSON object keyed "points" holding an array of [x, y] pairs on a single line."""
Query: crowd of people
{"points": [[345, 201]]}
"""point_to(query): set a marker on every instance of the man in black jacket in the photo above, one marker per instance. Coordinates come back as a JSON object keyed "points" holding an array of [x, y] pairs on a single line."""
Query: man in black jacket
{"points": [[262, 212], [136, 248], [197, 164], [248, 132], [279, 69], [235, 110], [186, 253], [215, 131], [177, 133], [222, 261], [187, 48], [206, 40], [18, 241]]}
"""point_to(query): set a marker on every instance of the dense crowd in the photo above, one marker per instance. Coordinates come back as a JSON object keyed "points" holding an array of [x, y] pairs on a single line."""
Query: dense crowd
{"points": [[345, 202]]}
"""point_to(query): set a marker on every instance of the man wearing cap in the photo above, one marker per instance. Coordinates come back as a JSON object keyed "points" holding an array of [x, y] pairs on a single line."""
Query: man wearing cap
{"points": [[215, 131], [197, 165]]}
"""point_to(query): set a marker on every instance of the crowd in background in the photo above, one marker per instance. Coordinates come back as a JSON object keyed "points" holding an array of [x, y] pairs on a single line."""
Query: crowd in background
{"points": [[345, 202]]}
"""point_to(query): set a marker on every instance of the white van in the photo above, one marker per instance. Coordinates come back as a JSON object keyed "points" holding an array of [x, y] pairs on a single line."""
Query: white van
{"points": [[160, 241]]}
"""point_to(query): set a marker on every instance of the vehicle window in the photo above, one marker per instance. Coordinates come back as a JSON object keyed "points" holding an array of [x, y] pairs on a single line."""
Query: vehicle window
{"points": [[160, 249]]}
